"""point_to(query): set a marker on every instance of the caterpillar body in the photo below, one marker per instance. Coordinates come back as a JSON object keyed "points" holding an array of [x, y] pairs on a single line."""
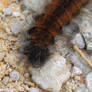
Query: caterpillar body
{"points": [[47, 26]]}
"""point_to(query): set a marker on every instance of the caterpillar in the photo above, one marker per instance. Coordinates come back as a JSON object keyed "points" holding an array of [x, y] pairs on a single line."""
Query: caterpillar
{"points": [[47, 26]]}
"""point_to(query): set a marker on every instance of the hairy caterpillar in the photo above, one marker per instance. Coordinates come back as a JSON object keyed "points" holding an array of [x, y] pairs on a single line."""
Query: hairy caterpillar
{"points": [[47, 26]]}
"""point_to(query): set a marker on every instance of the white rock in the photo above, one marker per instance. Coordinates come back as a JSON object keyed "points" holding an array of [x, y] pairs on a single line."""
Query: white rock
{"points": [[26, 75], [81, 89], [86, 29], [17, 1], [75, 86], [25, 12], [70, 85], [1, 56], [36, 5], [5, 79], [53, 74], [89, 81], [7, 11], [16, 14], [78, 40], [30, 20], [17, 27], [26, 87], [8, 30], [14, 75], [61, 45], [76, 71], [79, 62], [89, 47], [32, 89]]}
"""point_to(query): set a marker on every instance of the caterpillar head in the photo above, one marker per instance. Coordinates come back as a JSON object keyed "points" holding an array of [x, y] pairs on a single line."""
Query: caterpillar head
{"points": [[36, 55]]}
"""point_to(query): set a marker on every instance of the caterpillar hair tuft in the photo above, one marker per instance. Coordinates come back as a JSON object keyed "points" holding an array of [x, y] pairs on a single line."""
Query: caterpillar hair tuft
{"points": [[47, 26]]}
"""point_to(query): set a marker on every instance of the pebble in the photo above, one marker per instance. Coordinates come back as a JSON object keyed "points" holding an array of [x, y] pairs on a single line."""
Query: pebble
{"points": [[89, 47], [79, 62], [7, 11], [86, 29], [78, 40], [17, 27], [89, 81], [16, 14], [81, 89], [14, 75], [75, 86], [32, 89], [53, 74], [26, 75], [26, 87], [25, 12], [70, 85], [5, 79], [30, 20], [36, 5], [17, 1], [76, 71]]}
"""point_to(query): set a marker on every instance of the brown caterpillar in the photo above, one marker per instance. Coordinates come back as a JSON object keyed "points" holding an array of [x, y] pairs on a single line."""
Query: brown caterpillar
{"points": [[47, 26]]}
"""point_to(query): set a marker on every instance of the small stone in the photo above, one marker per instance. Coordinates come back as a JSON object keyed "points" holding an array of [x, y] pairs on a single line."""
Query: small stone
{"points": [[89, 81], [5, 79], [79, 89], [76, 71], [17, 27], [78, 40], [17, 1], [16, 14], [86, 30], [8, 30], [25, 12], [30, 20], [70, 85], [36, 5], [26, 87], [79, 62], [7, 11], [26, 75], [1, 56], [32, 89], [14, 75], [53, 74], [89, 47]]}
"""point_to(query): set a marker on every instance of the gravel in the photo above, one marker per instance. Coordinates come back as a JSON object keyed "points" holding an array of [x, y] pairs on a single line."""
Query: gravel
{"points": [[8, 11], [89, 81], [76, 71], [5, 79], [64, 72], [81, 89], [14, 75], [34, 90]]}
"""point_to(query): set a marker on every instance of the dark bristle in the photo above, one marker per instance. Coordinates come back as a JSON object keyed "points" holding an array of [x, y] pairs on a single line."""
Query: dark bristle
{"points": [[47, 26], [30, 31], [36, 55]]}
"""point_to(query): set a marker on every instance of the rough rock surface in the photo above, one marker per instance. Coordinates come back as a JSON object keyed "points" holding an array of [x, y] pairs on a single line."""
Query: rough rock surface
{"points": [[79, 41], [53, 74]]}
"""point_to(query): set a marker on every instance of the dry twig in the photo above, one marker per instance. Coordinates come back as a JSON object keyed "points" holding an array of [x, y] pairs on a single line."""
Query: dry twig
{"points": [[82, 55]]}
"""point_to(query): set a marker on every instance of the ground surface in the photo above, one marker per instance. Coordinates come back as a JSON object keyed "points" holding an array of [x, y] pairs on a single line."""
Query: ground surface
{"points": [[66, 71]]}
